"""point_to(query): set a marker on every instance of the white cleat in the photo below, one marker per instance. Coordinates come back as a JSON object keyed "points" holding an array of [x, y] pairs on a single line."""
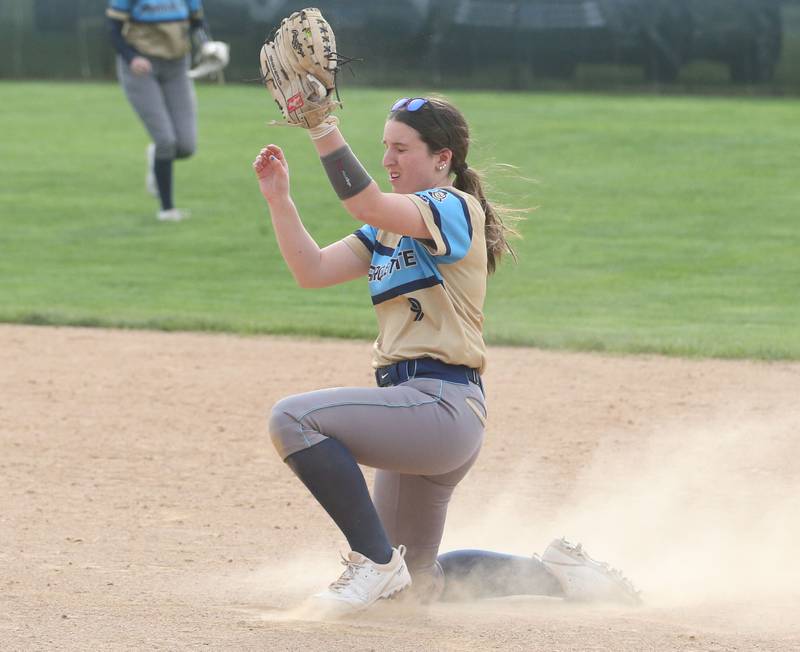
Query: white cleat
{"points": [[363, 583], [584, 579], [172, 215], [150, 173]]}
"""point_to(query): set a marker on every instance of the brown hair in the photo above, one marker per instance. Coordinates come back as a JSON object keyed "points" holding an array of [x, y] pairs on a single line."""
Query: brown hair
{"points": [[442, 126]]}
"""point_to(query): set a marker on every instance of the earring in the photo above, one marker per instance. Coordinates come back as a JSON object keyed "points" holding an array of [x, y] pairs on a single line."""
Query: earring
{"points": [[440, 167]]}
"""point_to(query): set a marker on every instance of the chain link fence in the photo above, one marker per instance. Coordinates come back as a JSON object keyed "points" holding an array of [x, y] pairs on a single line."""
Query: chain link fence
{"points": [[510, 44]]}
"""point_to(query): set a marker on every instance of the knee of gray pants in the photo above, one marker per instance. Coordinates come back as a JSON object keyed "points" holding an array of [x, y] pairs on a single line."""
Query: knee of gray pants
{"points": [[286, 429], [166, 149], [185, 149]]}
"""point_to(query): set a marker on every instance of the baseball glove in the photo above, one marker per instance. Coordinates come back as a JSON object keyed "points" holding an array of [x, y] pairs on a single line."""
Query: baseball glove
{"points": [[212, 58], [299, 68]]}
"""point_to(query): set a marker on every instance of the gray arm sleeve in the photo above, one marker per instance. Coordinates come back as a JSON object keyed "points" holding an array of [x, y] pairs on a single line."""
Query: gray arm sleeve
{"points": [[347, 176]]}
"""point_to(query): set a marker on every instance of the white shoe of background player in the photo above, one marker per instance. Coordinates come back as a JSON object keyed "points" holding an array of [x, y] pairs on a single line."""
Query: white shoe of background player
{"points": [[364, 582], [584, 579], [172, 215], [150, 173]]}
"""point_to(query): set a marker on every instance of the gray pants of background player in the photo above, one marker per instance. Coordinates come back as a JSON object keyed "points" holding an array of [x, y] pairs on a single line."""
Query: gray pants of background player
{"points": [[165, 102], [422, 437]]}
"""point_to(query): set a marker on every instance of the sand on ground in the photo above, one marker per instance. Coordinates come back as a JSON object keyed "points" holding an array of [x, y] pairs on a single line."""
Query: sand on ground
{"points": [[143, 506]]}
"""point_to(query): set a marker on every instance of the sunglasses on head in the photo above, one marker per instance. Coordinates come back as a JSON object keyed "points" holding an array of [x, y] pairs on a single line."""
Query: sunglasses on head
{"points": [[413, 104], [409, 104]]}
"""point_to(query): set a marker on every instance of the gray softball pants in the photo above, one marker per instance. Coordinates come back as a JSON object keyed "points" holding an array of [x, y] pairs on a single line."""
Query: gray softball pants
{"points": [[165, 102], [422, 436]]}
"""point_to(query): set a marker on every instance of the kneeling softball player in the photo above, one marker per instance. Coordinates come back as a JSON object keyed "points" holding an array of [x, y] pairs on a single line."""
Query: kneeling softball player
{"points": [[426, 249]]}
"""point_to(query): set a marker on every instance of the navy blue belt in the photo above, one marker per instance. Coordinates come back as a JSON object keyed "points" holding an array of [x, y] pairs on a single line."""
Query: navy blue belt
{"points": [[400, 372]]}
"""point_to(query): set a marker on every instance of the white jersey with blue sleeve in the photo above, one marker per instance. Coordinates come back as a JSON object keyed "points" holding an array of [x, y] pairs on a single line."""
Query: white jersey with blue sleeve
{"points": [[429, 294]]}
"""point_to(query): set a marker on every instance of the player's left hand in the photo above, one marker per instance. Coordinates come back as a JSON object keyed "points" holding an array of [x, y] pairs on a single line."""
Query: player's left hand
{"points": [[140, 66], [272, 172]]}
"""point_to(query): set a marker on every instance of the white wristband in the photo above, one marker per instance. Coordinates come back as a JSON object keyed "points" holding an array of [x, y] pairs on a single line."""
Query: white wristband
{"points": [[324, 128]]}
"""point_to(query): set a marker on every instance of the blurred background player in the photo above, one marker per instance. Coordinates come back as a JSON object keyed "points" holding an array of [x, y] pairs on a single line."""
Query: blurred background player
{"points": [[427, 249], [153, 40]]}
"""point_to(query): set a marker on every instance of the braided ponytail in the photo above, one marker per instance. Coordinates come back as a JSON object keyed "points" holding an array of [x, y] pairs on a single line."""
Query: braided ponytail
{"points": [[497, 228]]}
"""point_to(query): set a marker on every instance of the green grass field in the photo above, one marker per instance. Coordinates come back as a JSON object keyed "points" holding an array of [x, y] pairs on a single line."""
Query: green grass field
{"points": [[665, 225]]}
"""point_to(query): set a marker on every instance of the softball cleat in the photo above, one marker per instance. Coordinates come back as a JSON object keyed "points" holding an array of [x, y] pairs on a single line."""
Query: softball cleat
{"points": [[172, 215], [584, 579], [363, 583]]}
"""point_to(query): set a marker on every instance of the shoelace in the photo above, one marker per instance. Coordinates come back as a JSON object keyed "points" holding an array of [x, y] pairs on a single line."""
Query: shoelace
{"points": [[347, 576]]}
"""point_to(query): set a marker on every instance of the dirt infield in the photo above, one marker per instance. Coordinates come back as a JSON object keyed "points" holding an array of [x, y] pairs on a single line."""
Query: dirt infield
{"points": [[144, 508]]}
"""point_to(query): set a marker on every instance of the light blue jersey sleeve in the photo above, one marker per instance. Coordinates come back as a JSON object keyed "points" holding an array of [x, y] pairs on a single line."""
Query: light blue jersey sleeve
{"points": [[367, 234], [448, 219]]}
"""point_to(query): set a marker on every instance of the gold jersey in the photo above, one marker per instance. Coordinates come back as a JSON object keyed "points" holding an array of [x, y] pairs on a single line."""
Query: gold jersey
{"points": [[157, 28], [429, 294]]}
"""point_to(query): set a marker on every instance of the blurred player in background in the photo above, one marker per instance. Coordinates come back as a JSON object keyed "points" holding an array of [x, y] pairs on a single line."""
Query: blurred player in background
{"points": [[153, 40]]}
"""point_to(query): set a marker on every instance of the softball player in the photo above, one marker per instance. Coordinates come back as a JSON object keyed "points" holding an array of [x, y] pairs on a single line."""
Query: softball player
{"points": [[426, 249], [153, 43]]}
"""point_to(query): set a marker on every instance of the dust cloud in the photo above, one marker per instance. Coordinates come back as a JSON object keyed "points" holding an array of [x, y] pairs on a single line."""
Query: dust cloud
{"points": [[692, 514]]}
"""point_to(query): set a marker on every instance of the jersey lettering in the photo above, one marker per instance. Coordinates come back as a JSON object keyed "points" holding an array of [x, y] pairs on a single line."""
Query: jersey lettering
{"points": [[404, 259], [161, 8], [428, 293]]}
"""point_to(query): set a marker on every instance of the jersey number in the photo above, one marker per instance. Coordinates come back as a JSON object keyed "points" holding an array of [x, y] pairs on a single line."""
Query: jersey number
{"points": [[416, 308]]}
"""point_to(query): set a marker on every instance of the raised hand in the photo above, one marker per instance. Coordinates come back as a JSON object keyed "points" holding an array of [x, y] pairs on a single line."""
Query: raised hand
{"points": [[273, 173]]}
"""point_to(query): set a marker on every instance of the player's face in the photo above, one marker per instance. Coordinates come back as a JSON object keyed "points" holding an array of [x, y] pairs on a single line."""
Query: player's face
{"points": [[407, 159]]}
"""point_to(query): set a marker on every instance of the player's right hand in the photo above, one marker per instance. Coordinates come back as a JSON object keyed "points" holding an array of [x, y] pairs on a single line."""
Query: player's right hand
{"points": [[272, 172], [140, 66]]}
